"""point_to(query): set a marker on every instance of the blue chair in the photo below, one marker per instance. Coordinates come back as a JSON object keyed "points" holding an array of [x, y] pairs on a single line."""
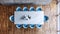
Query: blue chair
{"points": [[25, 9], [32, 9], [45, 18], [38, 9], [11, 18], [38, 26], [32, 26], [18, 9], [25, 26], [18, 26]]}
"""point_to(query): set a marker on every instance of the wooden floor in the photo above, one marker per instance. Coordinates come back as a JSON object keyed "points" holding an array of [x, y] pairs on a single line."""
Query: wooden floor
{"points": [[7, 27]]}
